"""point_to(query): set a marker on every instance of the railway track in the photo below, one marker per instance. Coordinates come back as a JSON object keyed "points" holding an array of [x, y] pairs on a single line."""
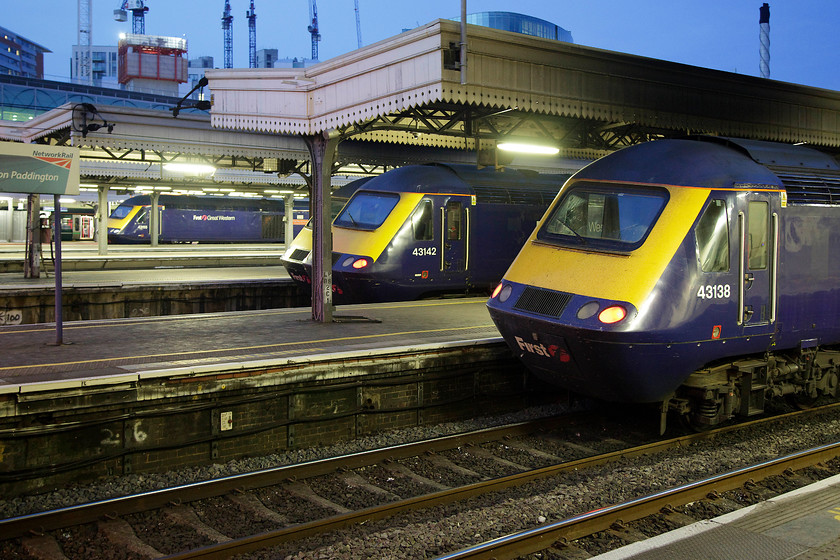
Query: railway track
{"points": [[352, 490], [536, 540]]}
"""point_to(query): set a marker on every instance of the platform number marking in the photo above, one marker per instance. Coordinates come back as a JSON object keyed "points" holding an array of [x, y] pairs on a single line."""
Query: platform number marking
{"points": [[11, 317], [714, 291]]}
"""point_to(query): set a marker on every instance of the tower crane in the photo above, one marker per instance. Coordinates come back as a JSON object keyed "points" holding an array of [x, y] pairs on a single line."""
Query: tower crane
{"points": [[84, 71], [138, 11], [358, 26], [227, 26], [251, 14], [313, 29]]}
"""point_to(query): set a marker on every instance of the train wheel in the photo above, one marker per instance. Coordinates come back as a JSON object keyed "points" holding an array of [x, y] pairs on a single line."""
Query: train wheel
{"points": [[802, 401], [704, 415]]}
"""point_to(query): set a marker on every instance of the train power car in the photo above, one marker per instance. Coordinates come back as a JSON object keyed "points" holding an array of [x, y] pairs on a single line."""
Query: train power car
{"points": [[206, 219], [425, 230], [700, 273]]}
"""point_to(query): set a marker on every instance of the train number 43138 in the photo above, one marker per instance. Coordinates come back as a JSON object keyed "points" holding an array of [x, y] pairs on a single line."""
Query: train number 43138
{"points": [[714, 291]]}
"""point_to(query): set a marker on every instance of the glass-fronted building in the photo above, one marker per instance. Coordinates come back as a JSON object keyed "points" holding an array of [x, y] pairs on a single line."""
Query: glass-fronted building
{"points": [[19, 56], [520, 23]]}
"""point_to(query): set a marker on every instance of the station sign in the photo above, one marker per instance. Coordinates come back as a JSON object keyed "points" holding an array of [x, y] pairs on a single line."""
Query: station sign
{"points": [[38, 169]]}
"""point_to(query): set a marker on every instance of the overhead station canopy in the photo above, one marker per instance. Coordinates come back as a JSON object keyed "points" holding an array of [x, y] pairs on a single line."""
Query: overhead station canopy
{"points": [[407, 89]]}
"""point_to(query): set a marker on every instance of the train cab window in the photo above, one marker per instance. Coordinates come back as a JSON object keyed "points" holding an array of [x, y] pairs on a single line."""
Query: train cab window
{"points": [[422, 221], [367, 210], [616, 218], [143, 216], [712, 234], [121, 212], [453, 220], [758, 227]]}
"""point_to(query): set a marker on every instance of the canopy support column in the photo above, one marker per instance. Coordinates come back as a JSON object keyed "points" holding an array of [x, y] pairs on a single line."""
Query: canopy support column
{"points": [[322, 149], [102, 220], [154, 219]]}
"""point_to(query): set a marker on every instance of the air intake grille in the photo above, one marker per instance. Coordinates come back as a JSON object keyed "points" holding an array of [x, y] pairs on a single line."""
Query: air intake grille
{"points": [[299, 255], [544, 302], [805, 187], [537, 196]]}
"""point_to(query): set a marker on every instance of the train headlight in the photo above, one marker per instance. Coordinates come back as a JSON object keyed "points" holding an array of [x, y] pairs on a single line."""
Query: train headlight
{"points": [[502, 291], [612, 314], [360, 263]]}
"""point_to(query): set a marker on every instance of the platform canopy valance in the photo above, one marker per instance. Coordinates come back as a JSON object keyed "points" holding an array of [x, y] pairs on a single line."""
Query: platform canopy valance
{"points": [[407, 89]]}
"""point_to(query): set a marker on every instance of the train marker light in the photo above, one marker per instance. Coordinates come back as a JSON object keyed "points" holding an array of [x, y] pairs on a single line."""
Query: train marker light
{"points": [[612, 314], [496, 290], [360, 263]]}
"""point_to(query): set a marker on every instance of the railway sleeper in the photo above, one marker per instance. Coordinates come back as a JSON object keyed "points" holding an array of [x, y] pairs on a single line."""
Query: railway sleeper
{"points": [[743, 388]]}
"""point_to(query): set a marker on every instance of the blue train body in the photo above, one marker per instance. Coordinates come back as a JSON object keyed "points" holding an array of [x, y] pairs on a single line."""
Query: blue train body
{"points": [[700, 273], [205, 219], [425, 230]]}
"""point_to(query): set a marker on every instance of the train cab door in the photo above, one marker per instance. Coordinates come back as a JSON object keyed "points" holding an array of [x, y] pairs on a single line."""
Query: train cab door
{"points": [[758, 234], [454, 254]]}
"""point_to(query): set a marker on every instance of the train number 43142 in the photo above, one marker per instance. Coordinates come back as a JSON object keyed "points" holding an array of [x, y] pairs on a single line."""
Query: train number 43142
{"points": [[714, 291]]}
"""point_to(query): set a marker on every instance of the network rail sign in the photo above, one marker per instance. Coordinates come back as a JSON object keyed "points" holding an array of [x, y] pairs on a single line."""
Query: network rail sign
{"points": [[38, 169]]}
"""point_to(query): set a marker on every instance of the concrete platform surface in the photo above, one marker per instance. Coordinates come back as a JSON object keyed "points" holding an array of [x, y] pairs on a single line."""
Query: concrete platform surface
{"points": [[803, 524], [191, 344]]}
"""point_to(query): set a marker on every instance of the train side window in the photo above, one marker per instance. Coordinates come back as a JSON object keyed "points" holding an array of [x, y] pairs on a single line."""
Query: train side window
{"points": [[758, 229], [143, 216], [453, 220], [422, 221], [712, 234]]}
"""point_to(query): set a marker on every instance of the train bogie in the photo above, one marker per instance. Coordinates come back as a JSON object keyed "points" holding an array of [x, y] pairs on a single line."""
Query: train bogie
{"points": [[667, 271]]}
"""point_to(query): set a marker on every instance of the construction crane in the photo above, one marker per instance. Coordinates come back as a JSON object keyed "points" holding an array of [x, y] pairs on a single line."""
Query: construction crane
{"points": [[252, 36], [138, 11], [313, 29], [227, 26], [84, 70], [358, 26]]}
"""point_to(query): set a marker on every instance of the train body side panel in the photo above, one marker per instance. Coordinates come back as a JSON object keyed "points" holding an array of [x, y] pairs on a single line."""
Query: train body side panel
{"points": [[809, 275]]}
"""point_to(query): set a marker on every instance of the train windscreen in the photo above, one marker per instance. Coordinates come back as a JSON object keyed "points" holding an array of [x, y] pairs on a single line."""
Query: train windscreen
{"points": [[367, 210], [121, 212], [613, 219]]}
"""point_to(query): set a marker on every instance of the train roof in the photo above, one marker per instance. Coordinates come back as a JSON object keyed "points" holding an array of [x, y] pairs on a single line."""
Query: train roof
{"points": [[487, 184], [209, 202], [807, 175]]}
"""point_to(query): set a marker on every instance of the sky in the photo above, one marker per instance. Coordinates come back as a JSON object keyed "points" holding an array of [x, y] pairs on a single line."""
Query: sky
{"points": [[716, 34]]}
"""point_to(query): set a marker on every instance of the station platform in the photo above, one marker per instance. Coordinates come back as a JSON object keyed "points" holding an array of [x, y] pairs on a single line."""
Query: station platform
{"points": [[151, 394], [141, 348], [803, 524], [136, 281], [84, 255]]}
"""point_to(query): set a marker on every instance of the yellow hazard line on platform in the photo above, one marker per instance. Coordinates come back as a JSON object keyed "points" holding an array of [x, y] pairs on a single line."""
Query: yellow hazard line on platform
{"points": [[243, 348], [110, 323]]}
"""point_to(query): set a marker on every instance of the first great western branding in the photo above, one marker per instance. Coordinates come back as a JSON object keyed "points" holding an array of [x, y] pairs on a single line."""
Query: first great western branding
{"points": [[38, 169]]}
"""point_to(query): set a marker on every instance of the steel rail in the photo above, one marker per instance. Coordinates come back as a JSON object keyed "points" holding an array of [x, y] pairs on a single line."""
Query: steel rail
{"points": [[540, 538], [84, 513], [304, 530], [123, 505]]}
